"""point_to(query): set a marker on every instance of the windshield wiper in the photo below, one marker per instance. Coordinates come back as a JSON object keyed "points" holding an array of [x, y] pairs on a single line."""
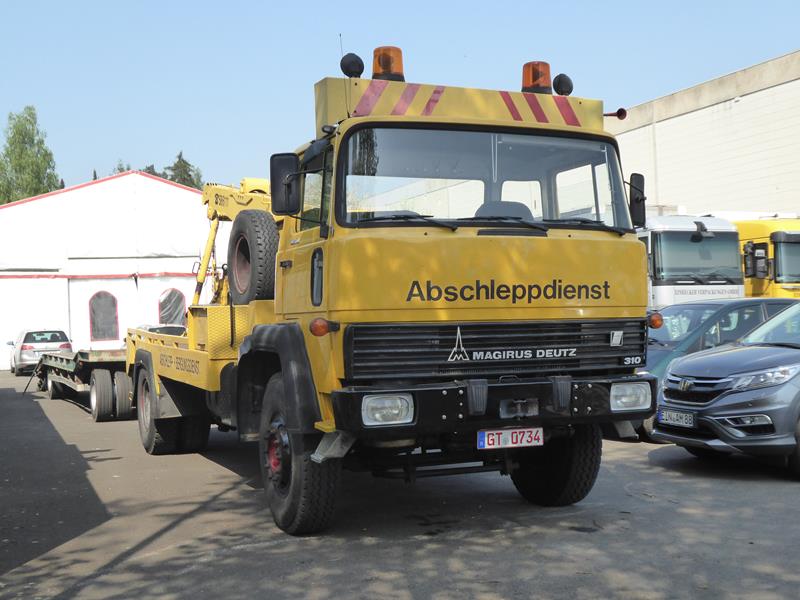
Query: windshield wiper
{"points": [[594, 222], [508, 219], [409, 217], [718, 275]]}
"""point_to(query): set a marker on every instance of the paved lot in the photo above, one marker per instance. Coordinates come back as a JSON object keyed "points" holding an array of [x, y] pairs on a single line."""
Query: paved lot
{"points": [[86, 513]]}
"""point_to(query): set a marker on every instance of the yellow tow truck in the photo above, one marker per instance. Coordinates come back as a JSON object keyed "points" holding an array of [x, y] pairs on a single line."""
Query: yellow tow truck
{"points": [[771, 252], [443, 281]]}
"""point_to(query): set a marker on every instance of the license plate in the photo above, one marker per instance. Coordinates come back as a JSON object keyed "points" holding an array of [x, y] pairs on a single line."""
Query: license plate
{"points": [[677, 418], [494, 439]]}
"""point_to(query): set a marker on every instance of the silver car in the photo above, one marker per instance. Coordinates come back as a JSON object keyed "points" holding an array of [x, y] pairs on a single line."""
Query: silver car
{"points": [[31, 343]]}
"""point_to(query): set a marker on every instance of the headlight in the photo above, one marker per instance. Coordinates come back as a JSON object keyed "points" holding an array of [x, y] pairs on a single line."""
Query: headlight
{"points": [[387, 409], [630, 396], [759, 379]]}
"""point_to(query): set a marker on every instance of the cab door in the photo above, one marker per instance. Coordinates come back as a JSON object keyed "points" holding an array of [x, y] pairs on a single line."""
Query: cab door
{"points": [[302, 264]]}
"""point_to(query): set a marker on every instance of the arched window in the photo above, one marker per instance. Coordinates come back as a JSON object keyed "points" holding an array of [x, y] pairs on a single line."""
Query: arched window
{"points": [[172, 308], [103, 320]]}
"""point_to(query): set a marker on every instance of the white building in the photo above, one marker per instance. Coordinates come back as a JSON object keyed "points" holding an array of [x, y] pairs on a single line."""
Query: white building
{"points": [[730, 145], [98, 258]]}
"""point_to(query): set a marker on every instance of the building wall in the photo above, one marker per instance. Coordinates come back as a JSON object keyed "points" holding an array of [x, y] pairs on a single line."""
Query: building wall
{"points": [[731, 144]]}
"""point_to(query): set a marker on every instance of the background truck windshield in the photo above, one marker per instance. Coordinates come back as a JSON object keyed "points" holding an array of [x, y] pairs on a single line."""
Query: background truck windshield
{"points": [[685, 254], [787, 264], [465, 174]]}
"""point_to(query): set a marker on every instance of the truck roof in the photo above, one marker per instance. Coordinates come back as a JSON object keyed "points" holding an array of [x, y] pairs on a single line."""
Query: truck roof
{"points": [[763, 228], [687, 223]]}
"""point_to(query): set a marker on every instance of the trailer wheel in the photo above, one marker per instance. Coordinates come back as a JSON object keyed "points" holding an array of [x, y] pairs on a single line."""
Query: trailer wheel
{"points": [[55, 391], [123, 406], [301, 493], [563, 471], [251, 257], [101, 395], [159, 436], [194, 432]]}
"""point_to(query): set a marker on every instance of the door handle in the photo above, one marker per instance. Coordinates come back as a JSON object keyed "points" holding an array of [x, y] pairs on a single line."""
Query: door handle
{"points": [[286, 264]]}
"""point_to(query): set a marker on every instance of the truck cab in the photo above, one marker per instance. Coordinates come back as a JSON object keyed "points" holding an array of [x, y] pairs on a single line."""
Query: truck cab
{"points": [[771, 252], [691, 258]]}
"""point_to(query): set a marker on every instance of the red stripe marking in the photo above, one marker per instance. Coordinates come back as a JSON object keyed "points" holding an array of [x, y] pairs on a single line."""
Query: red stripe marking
{"points": [[433, 100], [370, 97], [405, 99], [536, 108], [565, 108], [100, 276], [510, 105]]}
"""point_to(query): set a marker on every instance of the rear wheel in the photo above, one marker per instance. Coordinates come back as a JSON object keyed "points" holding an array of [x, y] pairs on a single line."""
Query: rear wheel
{"points": [[563, 471], [101, 395], [159, 436], [123, 388], [55, 390], [301, 493]]}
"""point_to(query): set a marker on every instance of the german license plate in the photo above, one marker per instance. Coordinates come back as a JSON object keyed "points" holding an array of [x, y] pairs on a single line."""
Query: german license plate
{"points": [[677, 418], [494, 439]]}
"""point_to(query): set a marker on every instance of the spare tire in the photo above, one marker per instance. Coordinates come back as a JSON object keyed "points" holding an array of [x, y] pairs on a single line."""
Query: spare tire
{"points": [[252, 248]]}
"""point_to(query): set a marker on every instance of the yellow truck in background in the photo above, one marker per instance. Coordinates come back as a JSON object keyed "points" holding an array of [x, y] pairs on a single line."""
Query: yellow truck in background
{"points": [[444, 281], [771, 253]]}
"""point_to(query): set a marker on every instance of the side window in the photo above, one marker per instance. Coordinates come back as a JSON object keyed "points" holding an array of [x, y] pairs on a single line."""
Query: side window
{"points": [[732, 325], [172, 308], [317, 191], [773, 308], [103, 323]]}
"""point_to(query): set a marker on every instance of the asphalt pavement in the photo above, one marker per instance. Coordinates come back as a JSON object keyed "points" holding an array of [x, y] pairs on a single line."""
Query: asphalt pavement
{"points": [[86, 513]]}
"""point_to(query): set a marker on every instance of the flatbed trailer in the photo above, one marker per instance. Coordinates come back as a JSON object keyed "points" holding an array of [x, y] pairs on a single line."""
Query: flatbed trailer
{"points": [[101, 373]]}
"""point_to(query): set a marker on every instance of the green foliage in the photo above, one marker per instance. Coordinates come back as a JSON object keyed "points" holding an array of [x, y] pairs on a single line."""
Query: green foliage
{"points": [[121, 167], [184, 172], [151, 170], [27, 167]]}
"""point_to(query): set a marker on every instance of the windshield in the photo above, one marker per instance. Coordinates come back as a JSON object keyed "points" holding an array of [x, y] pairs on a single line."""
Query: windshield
{"points": [[684, 254], [783, 328], [471, 174], [679, 321], [787, 263], [45, 337]]}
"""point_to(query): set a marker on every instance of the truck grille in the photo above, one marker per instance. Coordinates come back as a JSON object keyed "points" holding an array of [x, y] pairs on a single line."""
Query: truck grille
{"points": [[389, 351]]}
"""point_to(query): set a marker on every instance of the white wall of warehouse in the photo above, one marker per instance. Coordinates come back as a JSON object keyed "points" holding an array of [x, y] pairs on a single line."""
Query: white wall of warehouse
{"points": [[731, 144], [132, 235]]}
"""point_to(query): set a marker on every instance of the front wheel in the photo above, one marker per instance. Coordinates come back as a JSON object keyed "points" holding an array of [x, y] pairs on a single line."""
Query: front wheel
{"points": [[563, 471], [301, 493], [159, 436]]}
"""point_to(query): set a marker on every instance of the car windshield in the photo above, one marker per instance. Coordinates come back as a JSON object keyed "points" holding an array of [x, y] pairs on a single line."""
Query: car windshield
{"points": [[400, 174], [783, 328], [787, 263], [44, 337], [679, 321], [687, 254]]}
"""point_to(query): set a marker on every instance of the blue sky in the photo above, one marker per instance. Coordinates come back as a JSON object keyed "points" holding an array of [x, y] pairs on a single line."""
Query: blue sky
{"points": [[229, 83]]}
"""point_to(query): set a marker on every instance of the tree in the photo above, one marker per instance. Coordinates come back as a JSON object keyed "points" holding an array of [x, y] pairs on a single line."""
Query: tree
{"points": [[61, 184], [94, 174], [184, 172], [151, 170], [27, 167], [121, 167]]}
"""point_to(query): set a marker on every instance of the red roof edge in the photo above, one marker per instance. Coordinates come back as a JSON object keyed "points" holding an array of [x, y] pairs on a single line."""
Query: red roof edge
{"points": [[96, 181]]}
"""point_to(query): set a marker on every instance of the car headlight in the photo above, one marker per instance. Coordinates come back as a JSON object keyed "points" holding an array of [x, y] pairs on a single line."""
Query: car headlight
{"points": [[629, 396], [387, 409], [766, 378]]}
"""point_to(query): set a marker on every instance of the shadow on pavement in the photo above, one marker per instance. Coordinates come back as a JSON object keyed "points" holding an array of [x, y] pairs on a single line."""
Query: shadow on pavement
{"points": [[45, 496]]}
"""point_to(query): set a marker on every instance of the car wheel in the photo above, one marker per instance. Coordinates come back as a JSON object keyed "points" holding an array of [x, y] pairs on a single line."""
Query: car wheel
{"points": [[794, 457]]}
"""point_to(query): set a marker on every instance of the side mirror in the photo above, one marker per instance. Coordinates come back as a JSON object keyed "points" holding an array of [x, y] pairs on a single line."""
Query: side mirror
{"points": [[756, 263], [637, 199], [11, 343], [285, 183]]}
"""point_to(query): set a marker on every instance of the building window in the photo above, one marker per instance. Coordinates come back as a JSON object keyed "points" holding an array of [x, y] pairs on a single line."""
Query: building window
{"points": [[103, 320], [172, 308]]}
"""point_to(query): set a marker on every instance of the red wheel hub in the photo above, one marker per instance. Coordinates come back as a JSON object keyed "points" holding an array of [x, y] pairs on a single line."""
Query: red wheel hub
{"points": [[274, 456]]}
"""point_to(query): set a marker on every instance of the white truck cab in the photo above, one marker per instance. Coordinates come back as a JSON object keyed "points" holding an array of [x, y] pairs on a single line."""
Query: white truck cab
{"points": [[692, 258]]}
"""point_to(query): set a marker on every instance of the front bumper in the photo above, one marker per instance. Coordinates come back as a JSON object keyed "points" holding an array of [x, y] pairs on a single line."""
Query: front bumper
{"points": [[455, 407], [780, 403]]}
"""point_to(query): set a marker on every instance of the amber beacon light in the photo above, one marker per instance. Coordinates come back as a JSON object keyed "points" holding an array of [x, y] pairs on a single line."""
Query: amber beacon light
{"points": [[387, 63], [536, 78]]}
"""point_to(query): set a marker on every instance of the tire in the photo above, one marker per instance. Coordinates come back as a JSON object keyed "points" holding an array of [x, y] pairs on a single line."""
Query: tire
{"points": [[302, 497], [101, 395], [159, 436], [123, 407], [563, 471], [55, 390], [794, 458], [194, 432], [705, 453], [252, 248]]}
